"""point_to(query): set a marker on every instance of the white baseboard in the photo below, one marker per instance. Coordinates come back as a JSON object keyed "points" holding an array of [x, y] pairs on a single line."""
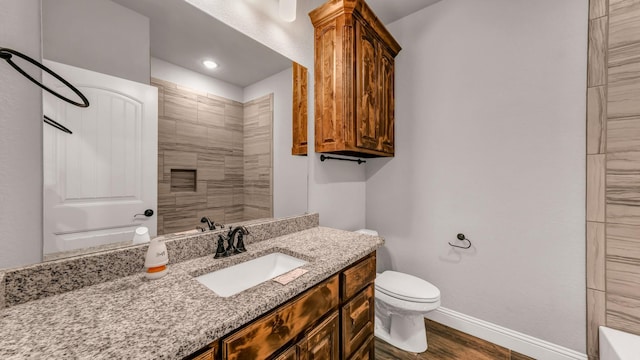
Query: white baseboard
{"points": [[524, 344]]}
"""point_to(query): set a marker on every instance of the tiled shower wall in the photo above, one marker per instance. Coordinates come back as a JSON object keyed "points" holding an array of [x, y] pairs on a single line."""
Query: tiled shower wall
{"points": [[201, 159], [258, 169], [613, 169]]}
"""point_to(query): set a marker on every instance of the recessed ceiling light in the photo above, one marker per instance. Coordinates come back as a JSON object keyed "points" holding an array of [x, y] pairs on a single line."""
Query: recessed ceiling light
{"points": [[210, 64]]}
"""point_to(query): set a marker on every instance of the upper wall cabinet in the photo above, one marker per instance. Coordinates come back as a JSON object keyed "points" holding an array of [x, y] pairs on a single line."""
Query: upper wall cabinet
{"points": [[354, 72]]}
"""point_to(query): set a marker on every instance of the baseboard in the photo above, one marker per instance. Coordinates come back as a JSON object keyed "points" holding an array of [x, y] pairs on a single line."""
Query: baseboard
{"points": [[524, 344]]}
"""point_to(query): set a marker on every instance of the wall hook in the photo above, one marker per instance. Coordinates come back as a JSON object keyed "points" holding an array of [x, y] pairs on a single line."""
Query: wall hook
{"points": [[461, 237]]}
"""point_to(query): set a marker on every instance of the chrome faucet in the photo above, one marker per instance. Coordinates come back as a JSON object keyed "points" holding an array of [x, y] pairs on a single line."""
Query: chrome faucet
{"points": [[232, 249], [211, 224]]}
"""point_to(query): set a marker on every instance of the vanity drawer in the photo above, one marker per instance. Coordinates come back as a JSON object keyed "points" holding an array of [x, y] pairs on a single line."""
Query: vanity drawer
{"points": [[265, 336], [358, 276], [357, 321], [366, 351], [209, 353]]}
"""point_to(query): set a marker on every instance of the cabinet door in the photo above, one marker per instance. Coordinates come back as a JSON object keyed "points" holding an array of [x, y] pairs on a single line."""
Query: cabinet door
{"points": [[322, 342], [367, 110], [366, 351], [387, 106], [295, 352], [357, 321], [329, 117]]}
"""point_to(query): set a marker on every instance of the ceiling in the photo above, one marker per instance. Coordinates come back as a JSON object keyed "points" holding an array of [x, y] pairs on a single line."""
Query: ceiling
{"points": [[242, 61]]}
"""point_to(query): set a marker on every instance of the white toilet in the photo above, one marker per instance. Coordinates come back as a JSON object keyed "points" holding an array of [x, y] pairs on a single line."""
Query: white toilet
{"points": [[401, 301]]}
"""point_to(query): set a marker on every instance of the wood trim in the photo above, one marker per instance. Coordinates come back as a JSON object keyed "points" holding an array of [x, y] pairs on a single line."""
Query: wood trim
{"points": [[333, 9]]}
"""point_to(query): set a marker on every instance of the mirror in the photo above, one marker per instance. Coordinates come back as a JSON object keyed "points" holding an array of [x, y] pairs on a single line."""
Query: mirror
{"points": [[223, 136]]}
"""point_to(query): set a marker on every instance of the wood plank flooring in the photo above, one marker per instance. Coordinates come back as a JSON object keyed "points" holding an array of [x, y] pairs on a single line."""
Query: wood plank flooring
{"points": [[446, 343]]}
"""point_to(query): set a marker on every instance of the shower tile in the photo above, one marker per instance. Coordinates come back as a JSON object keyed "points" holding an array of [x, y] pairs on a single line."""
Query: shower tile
{"points": [[180, 160], [210, 166], [166, 134], [623, 25], [192, 136], [624, 63], [623, 135], [597, 54], [623, 241], [622, 99], [623, 313], [595, 255], [210, 111], [623, 197], [596, 119], [180, 105], [623, 277], [597, 8], [595, 317], [595, 188]]}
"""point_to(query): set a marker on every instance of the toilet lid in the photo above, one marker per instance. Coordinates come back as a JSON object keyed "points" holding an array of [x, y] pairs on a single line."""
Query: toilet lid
{"points": [[406, 287]]}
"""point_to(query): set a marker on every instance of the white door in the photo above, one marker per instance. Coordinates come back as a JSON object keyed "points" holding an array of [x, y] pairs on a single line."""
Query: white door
{"points": [[98, 178]]}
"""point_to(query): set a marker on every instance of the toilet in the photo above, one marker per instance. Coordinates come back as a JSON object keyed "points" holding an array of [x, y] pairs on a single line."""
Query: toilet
{"points": [[401, 301]]}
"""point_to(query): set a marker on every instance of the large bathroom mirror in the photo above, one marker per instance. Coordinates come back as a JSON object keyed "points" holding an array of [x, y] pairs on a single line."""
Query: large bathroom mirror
{"points": [[221, 137]]}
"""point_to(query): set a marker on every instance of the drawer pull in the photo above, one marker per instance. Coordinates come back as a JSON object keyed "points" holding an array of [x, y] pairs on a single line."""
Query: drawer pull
{"points": [[357, 313]]}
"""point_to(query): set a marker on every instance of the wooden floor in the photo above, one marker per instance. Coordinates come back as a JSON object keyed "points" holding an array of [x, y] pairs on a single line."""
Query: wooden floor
{"points": [[447, 343]]}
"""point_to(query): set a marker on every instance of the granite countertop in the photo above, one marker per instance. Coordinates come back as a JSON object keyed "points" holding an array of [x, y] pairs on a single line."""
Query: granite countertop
{"points": [[172, 317]]}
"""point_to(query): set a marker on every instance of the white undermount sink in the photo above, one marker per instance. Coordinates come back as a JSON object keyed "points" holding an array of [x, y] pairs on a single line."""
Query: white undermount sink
{"points": [[234, 279]]}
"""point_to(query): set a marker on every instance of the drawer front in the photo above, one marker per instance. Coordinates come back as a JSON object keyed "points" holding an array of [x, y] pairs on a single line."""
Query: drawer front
{"points": [[322, 342], [268, 334], [211, 353], [357, 321], [358, 276], [366, 351], [289, 354]]}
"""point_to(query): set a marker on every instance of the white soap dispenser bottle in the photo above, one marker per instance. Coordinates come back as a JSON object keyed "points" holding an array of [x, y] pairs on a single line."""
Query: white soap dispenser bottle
{"points": [[156, 259]]}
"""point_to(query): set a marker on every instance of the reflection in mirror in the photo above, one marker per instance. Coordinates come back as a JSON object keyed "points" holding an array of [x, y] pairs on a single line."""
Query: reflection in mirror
{"points": [[164, 132]]}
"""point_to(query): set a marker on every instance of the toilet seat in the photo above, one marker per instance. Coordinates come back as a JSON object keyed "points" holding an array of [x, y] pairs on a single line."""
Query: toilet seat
{"points": [[406, 287]]}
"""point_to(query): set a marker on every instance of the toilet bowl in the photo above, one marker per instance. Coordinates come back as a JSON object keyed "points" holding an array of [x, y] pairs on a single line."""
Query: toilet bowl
{"points": [[402, 300]]}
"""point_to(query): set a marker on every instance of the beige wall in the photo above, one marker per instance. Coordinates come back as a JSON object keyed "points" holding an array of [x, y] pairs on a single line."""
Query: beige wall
{"points": [[613, 169], [20, 139]]}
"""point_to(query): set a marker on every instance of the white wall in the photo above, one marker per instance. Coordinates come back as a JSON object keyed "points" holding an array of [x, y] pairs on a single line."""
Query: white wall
{"points": [[490, 137], [97, 35], [336, 189], [20, 139], [167, 71], [289, 172]]}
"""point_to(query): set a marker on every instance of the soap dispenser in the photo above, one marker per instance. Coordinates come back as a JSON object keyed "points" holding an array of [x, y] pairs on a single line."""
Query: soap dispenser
{"points": [[156, 259]]}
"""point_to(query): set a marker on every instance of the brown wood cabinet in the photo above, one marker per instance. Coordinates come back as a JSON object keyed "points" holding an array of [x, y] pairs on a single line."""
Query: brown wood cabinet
{"points": [[354, 80], [333, 320], [299, 110]]}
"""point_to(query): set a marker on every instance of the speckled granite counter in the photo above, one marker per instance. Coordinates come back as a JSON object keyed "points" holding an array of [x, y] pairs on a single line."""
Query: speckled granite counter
{"points": [[170, 318]]}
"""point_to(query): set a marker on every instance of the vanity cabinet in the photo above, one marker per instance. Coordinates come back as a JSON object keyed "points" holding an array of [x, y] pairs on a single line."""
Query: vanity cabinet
{"points": [[331, 321], [354, 80]]}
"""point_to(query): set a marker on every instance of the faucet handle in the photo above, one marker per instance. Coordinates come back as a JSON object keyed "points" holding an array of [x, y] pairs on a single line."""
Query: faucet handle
{"points": [[240, 245], [220, 251]]}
